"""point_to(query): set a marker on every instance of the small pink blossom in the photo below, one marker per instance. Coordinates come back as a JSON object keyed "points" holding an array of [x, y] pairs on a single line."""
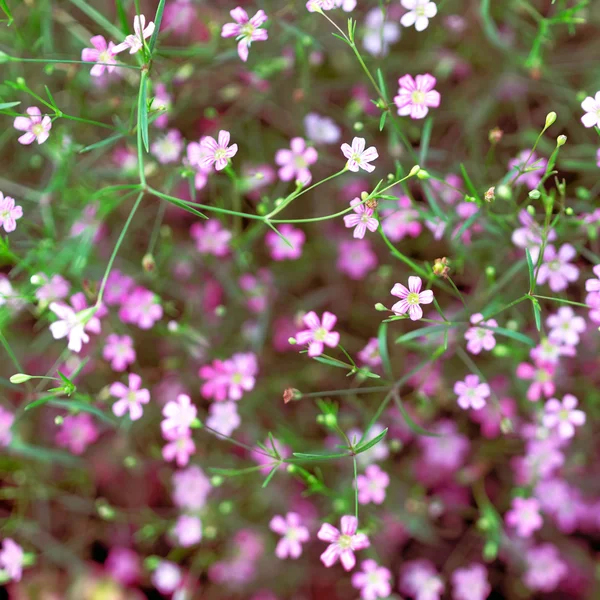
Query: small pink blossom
{"points": [[563, 416], [11, 559], [167, 577], [258, 289], [279, 249], [362, 220], [373, 581], [6, 422], [480, 338], [356, 258], [130, 398], [190, 488], [101, 53], [9, 213], [136, 42], [592, 284], [372, 485], [294, 163], [211, 237], [471, 583], [565, 327], [178, 415], [119, 351], [411, 298], [321, 130], [380, 33], [370, 353], [446, 452], [471, 393], [319, 5], [416, 96], [591, 106], [532, 170], [55, 288], [419, 13], [77, 432], [162, 102], [223, 417], [36, 128], [542, 383], [342, 544], [530, 235], [117, 288], [245, 30], [319, 333], [420, 580], [229, 379], [73, 322], [545, 568], [524, 516], [397, 223], [123, 565], [180, 447], [141, 307], [556, 268], [195, 154], [168, 147], [358, 157], [217, 152], [187, 531], [293, 532]]}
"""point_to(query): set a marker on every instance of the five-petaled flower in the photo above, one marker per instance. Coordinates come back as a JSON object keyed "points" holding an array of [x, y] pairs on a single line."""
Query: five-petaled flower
{"points": [[471, 393], [416, 96], [342, 544], [102, 54], [480, 337], [563, 416], [373, 581], [419, 13], [294, 162], [136, 42], [36, 127], [411, 298], [9, 213], [591, 106], [130, 398], [293, 532], [319, 333], [362, 220], [358, 157], [218, 152], [245, 30], [524, 516]]}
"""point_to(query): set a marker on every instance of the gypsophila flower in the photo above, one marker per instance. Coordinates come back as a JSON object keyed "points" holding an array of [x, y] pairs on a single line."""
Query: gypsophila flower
{"points": [[319, 5], [370, 354], [524, 516], [591, 106], [187, 531], [178, 414], [376, 453], [411, 298], [356, 258], [531, 169], [211, 237], [119, 351], [591, 285], [223, 417], [168, 148], [530, 235], [36, 127], [55, 288], [480, 338], [471, 583], [541, 376], [282, 250], [563, 416], [419, 13], [556, 268], [167, 577], [162, 102], [416, 96], [245, 30], [372, 485], [9, 213], [195, 153], [11, 559], [362, 220], [565, 327], [130, 398], [420, 580], [319, 333], [6, 421], [358, 157], [77, 432], [321, 130], [229, 379], [101, 53], [190, 488], [179, 448], [343, 542], [471, 393], [379, 33], [545, 568], [293, 532], [294, 162], [397, 223], [217, 153], [373, 581], [73, 322], [134, 43], [142, 308]]}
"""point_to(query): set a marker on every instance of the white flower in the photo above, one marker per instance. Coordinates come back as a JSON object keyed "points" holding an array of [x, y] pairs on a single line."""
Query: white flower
{"points": [[419, 13], [358, 157], [136, 42], [592, 109]]}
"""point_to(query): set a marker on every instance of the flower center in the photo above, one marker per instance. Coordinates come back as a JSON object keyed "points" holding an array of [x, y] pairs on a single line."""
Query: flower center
{"points": [[320, 334], [105, 57], [299, 161], [237, 378], [420, 10], [555, 265], [132, 397], [541, 375], [220, 153], [345, 542], [37, 129], [356, 158], [412, 298], [563, 414], [418, 97], [247, 30]]}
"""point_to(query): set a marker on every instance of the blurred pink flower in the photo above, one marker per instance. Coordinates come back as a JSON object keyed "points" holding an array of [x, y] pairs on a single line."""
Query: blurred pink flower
{"points": [[211, 237], [6, 421], [55, 288], [370, 353], [293, 533], [77, 432], [563, 416], [223, 417], [180, 447], [190, 488], [373, 581], [524, 516], [168, 147], [480, 338], [130, 398], [124, 565], [399, 222], [532, 169], [280, 250], [420, 580], [9, 213], [556, 268], [372, 485], [187, 531], [117, 288], [471, 393], [11, 559], [471, 583], [343, 542], [294, 162], [119, 351], [356, 258], [167, 577], [141, 307], [591, 106], [178, 415], [229, 379], [545, 568], [541, 376], [565, 326]]}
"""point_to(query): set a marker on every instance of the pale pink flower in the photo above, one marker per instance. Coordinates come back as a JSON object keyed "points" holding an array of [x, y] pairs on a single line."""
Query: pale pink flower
{"points": [[162, 101], [124, 565], [55, 288], [119, 351], [180, 447], [399, 222], [229, 379], [258, 289], [280, 250], [524, 516], [446, 452], [480, 338], [187, 531], [556, 268], [11, 559], [343, 542], [211, 237], [591, 106], [545, 568], [77, 432], [190, 488], [167, 577], [419, 13], [358, 157], [471, 393], [179, 16], [530, 235], [217, 152], [130, 398], [319, 333], [376, 453], [373, 581], [321, 130], [411, 298], [346, 5], [592, 300], [370, 353], [420, 580], [471, 583], [372, 485], [101, 53], [73, 322], [593, 284], [362, 220], [542, 375], [245, 30], [293, 532], [136, 42], [36, 128], [168, 147], [416, 96], [223, 417], [142, 308], [118, 287], [9, 213], [294, 163], [356, 258], [194, 155], [178, 415], [563, 416], [533, 169], [379, 34], [319, 5], [565, 327], [6, 421]]}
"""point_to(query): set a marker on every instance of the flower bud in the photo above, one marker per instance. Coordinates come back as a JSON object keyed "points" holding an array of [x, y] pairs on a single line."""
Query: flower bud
{"points": [[358, 126], [504, 192], [216, 481], [364, 196], [490, 195], [196, 423], [148, 263], [495, 135], [422, 174], [220, 311], [569, 211], [550, 119], [561, 140], [151, 563], [292, 341], [414, 170], [534, 194], [531, 210], [20, 378], [380, 307], [330, 420]]}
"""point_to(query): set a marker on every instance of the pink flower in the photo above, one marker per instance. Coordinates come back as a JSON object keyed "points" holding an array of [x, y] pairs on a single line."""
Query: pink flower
{"points": [[356, 258], [541, 376], [592, 300], [399, 222], [119, 350], [446, 452], [258, 288], [416, 97], [533, 169], [411, 298], [591, 285], [217, 153], [6, 421], [419, 13], [556, 268], [545, 569], [211, 237], [229, 379], [180, 447], [563, 416], [245, 30], [471, 583], [117, 288], [191, 488], [187, 531], [420, 580], [280, 250], [178, 415], [136, 42], [141, 308], [372, 485], [9, 213], [11, 559], [55, 288], [524, 516], [167, 577], [102, 53], [294, 162], [530, 235], [471, 393], [131, 398], [319, 333], [319, 5], [36, 127], [377, 452], [162, 101], [379, 34], [480, 338], [321, 130], [168, 147], [591, 106], [74, 323], [223, 417], [370, 353], [123, 565], [77, 432], [342, 544], [293, 532], [362, 220], [373, 581], [358, 157], [565, 326], [194, 155]]}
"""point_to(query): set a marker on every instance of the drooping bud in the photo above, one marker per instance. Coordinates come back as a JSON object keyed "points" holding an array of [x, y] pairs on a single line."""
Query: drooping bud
{"points": [[561, 140], [550, 119]]}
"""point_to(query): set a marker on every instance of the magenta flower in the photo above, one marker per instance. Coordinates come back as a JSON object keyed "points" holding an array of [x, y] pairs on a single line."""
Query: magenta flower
{"points": [[141, 308], [6, 421], [280, 250], [416, 96], [187, 531], [229, 379], [211, 237], [420, 580], [530, 235], [542, 383], [373, 581], [131, 398], [168, 147], [563, 416], [471, 583], [178, 415], [77, 432], [36, 128], [524, 516], [411, 298], [372, 485], [319, 333], [123, 565], [471, 393], [591, 285], [342, 544], [362, 220], [180, 447], [293, 532], [294, 162], [223, 417], [565, 327], [117, 288], [258, 288], [370, 353], [11, 559], [101, 53], [217, 153], [591, 106], [245, 30], [119, 351], [419, 13], [533, 169], [136, 42], [167, 577], [556, 268], [545, 568], [358, 157], [9, 213], [480, 338], [399, 222], [55, 288], [356, 258], [190, 488]]}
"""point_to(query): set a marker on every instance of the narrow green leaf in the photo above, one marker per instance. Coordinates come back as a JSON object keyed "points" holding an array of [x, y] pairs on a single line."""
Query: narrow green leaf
{"points": [[469, 184], [515, 335], [425, 139], [84, 407], [143, 109], [332, 362], [409, 420], [531, 271], [422, 332], [382, 120], [187, 207], [5, 105], [235, 472], [98, 18], [367, 445], [383, 350], [45, 455], [320, 456], [4, 7], [157, 22], [122, 14], [105, 142], [537, 313], [270, 476], [457, 235]]}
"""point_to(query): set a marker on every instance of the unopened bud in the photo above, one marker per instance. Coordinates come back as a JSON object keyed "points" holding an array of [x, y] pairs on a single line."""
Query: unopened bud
{"points": [[504, 192], [569, 211], [490, 551], [550, 119], [292, 469], [37, 279], [58, 420], [358, 126], [380, 307], [414, 170], [531, 210], [490, 271], [330, 420], [364, 196], [534, 194], [130, 462], [220, 311], [506, 426], [561, 140], [292, 341], [216, 481], [105, 510], [490, 195], [196, 423], [151, 563], [288, 395], [422, 174], [20, 378], [495, 135]]}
